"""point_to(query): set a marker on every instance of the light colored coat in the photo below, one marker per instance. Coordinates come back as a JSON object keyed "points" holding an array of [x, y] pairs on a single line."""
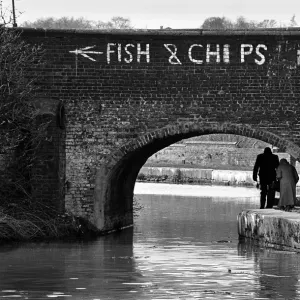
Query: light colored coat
{"points": [[288, 177]]}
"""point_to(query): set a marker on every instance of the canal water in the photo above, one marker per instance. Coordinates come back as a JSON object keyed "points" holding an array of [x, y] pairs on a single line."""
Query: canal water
{"points": [[184, 245]]}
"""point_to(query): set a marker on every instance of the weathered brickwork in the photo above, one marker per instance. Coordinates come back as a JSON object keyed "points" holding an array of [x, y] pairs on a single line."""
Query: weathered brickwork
{"points": [[129, 94]]}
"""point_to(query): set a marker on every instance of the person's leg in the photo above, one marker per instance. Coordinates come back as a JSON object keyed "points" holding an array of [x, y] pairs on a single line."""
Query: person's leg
{"points": [[263, 194], [294, 196], [270, 196]]}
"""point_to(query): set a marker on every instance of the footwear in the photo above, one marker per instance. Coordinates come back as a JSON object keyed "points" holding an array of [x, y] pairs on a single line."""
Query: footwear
{"points": [[287, 208]]}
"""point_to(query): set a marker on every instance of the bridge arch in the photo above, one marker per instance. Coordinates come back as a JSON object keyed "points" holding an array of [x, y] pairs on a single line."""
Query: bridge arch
{"points": [[115, 179]]}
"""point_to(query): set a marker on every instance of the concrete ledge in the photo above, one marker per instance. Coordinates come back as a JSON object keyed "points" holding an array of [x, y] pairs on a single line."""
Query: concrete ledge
{"points": [[271, 228]]}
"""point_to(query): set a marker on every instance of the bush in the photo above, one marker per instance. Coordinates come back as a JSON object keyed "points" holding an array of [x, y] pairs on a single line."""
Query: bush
{"points": [[178, 176], [137, 207], [141, 177]]}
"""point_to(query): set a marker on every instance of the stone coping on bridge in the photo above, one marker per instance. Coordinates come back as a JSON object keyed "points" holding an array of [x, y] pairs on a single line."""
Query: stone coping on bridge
{"points": [[272, 228], [173, 32]]}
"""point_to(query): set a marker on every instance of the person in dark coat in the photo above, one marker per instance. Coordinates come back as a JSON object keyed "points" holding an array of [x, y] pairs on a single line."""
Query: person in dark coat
{"points": [[265, 167]]}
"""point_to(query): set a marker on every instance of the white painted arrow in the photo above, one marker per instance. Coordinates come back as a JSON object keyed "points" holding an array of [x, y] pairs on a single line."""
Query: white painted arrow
{"points": [[83, 52]]}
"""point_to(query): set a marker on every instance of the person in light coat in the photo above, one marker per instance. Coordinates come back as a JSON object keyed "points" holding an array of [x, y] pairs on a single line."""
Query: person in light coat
{"points": [[288, 178]]}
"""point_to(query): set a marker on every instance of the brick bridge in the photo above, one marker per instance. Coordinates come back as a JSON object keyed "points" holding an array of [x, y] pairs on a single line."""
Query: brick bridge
{"points": [[121, 96]]}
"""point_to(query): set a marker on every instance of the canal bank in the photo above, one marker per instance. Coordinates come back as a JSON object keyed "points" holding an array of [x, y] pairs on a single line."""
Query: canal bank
{"points": [[196, 175], [272, 228]]}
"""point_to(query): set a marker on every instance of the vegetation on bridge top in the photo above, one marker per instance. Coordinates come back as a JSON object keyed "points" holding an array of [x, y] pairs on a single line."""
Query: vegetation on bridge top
{"points": [[118, 24]]}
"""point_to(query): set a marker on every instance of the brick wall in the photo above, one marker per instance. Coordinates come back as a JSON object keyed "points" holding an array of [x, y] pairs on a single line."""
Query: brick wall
{"points": [[141, 91]]}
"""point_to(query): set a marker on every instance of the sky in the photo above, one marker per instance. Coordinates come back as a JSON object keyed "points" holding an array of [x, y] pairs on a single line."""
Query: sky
{"points": [[151, 14]]}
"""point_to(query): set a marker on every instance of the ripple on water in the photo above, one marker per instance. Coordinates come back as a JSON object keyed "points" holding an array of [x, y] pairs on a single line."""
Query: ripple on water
{"points": [[171, 253]]}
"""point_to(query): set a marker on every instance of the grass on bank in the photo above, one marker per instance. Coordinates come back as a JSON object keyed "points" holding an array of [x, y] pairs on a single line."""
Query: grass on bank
{"points": [[28, 222], [21, 223]]}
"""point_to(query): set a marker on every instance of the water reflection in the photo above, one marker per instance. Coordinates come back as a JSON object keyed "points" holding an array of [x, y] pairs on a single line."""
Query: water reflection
{"points": [[180, 248], [277, 271], [189, 217], [55, 270], [190, 245]]}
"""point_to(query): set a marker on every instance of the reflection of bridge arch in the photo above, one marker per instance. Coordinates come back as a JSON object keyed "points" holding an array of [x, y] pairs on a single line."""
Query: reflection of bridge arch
{"points": [[116, 178]]}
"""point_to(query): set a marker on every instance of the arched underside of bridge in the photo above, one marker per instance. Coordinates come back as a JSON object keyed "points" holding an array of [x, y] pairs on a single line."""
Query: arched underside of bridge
{"points": [[114, 186]]}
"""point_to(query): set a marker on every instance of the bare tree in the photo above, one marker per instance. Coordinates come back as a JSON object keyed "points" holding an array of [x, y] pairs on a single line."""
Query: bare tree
{"points": [[6, 16], [267, 23], [217, 23], [61, 23], [78, 23], [293, 22], [121, 23], [241, 22]]}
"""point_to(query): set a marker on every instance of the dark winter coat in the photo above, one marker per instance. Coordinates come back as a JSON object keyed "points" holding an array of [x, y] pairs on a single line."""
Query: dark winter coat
{"points": [[265, 167]]}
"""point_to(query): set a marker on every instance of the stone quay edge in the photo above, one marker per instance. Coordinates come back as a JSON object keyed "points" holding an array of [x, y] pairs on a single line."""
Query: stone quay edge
{"points": [[271, 228]]}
